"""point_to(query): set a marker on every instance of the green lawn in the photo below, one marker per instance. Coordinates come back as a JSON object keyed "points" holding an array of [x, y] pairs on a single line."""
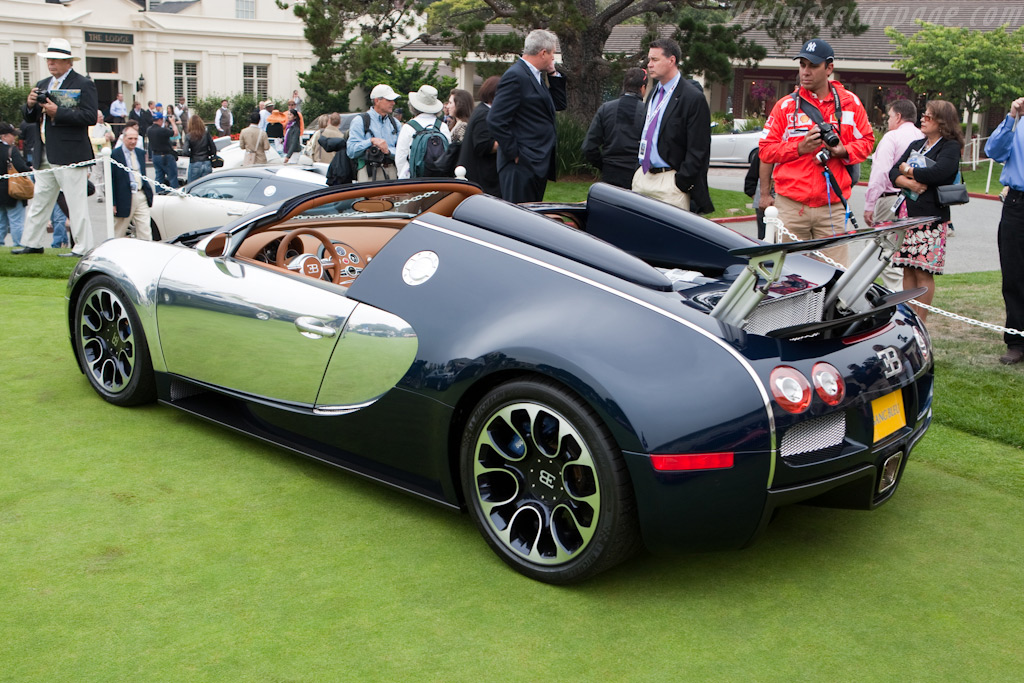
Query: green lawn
{"points": [[727, 202], [147, 545]]}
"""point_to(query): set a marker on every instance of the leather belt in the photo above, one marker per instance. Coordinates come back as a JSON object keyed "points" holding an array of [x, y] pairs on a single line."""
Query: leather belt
{"points": [[659, 170]]}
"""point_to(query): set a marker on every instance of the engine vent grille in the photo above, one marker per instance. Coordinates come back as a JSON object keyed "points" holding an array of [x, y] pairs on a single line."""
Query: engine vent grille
{"points": [[815, 440], [797, 309]]}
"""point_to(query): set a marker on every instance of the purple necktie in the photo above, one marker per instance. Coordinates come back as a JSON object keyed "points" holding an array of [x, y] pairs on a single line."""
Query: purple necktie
{"points": [[649, 137]]}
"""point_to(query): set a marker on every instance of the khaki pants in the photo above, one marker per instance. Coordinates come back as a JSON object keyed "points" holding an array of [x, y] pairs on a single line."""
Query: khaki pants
{"points": [[813, 222], [660, 186], [139, 217], [386, 172], [892, 276], [72, 181]]}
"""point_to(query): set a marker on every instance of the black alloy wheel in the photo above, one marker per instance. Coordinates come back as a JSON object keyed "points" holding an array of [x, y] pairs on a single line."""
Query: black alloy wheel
{"points": [[111, 344], [546, 484]]}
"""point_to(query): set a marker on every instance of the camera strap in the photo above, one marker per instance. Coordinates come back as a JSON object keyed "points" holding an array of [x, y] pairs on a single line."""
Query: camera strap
{"points": [[813, 113]]}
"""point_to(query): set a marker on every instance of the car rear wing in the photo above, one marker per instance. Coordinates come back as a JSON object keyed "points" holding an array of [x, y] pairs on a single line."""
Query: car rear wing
{"points": [[764, 268]]}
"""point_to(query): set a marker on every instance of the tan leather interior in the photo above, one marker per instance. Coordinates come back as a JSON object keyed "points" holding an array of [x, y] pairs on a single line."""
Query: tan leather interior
{"points": [[365, 236]]}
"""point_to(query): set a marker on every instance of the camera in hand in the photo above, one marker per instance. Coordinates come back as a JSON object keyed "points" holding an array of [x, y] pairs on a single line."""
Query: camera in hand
{"points": [[828, 134], [42, 96], [374, 156]]}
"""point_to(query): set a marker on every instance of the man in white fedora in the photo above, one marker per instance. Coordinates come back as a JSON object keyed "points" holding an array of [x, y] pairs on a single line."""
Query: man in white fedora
{"points": [[425, 106], [64, 106]]}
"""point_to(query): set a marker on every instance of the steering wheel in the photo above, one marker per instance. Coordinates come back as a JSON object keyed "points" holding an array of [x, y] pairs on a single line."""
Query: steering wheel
{"points": [[309, 264]]}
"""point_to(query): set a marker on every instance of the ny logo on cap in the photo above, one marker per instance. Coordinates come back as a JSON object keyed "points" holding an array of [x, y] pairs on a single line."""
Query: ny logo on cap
{"points": [[811, 45]]}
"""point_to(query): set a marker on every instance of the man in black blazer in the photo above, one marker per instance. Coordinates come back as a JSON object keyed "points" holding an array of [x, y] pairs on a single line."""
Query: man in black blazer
{"points": [[522, 120], [133, 196], [675, 149], [479, 148], [64, 117]]}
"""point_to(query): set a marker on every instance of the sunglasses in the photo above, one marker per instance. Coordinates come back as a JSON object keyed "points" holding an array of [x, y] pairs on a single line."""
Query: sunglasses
{"points": [[927, 117]]}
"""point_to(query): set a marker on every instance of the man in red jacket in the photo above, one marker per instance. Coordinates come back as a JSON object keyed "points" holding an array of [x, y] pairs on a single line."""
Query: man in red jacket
{"points": [[807, 202]]}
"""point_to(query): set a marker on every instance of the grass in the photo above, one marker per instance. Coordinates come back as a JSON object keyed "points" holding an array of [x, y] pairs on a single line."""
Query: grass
{"points": [[727, 202], [144, 544], [45, 265]]}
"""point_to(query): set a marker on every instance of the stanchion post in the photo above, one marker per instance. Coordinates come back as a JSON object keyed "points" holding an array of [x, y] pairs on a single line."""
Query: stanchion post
{"points": [[988, 183], [771, 221], [108, 192]]}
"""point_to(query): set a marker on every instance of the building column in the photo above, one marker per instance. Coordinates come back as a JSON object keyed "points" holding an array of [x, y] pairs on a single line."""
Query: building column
{"points": [[465, 75]]}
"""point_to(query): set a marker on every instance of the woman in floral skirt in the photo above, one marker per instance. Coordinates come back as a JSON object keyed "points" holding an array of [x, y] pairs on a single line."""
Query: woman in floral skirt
{"points": [[927, 164]]}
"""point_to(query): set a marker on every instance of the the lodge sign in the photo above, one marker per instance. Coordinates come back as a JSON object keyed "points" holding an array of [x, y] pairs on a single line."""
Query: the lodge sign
{"points": [[109, 38]]}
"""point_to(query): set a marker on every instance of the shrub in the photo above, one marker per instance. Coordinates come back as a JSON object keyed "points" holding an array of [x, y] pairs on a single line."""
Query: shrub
{"points": [[12, 97], [571, 133], [241, 106]]}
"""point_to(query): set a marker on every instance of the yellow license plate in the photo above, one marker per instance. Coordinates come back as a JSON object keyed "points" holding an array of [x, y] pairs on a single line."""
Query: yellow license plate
{"points": [[889, 414]]}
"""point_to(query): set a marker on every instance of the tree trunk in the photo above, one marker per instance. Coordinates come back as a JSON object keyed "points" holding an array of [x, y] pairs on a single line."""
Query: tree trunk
{"points": [[584, 53]]}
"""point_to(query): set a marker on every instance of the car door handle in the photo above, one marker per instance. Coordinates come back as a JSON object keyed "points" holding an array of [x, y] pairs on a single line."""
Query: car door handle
{"points": [[313, 328], [235, 213]]}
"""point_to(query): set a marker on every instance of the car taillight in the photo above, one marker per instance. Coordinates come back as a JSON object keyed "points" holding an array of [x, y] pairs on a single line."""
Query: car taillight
{"points": [[678, 462], [922, 344], [790, 389], [828, 383]]}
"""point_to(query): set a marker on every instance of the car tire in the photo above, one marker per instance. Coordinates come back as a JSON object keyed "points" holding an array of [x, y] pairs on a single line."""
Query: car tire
{"points": [[750, 157], [546, 483], [111, 344]]}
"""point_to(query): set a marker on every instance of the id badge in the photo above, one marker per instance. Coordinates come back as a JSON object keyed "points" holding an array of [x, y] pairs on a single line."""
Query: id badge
{"points": [[643, 147]]}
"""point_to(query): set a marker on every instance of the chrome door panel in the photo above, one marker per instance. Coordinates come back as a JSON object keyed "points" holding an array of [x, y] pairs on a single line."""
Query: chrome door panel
{"points": [[374, 353], [248, 328]]}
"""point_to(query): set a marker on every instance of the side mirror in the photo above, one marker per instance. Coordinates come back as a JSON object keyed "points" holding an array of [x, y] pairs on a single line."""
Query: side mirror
{"points": [[214, 246]]}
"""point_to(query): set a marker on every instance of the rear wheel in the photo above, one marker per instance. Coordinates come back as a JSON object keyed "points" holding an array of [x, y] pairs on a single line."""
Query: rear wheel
{"points": [[546, 483], [111, 344]]}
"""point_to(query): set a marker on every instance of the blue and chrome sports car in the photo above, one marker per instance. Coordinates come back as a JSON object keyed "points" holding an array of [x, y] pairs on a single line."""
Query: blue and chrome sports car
{"points": [[583, 379]]}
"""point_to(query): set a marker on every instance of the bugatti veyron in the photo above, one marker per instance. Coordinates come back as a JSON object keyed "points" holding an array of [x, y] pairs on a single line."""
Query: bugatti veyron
{"points": [[583, 379]]}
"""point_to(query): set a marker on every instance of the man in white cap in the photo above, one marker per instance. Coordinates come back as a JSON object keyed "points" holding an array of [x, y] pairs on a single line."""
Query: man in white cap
{"points": [[424, 105], [373, 136], [64, 106]]}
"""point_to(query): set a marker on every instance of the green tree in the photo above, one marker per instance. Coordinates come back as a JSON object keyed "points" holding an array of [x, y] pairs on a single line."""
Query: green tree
{"points": [[375, 63], [333, 29], [12, 98], [583, 26], [971, 69]]}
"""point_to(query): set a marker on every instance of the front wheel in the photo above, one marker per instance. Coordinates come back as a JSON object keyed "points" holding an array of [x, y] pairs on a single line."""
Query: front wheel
{"points": [[546, 484], [111, 344]]}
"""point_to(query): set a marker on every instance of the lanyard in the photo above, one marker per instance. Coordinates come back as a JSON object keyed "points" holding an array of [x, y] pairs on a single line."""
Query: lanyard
{"points": [[656, 111]]}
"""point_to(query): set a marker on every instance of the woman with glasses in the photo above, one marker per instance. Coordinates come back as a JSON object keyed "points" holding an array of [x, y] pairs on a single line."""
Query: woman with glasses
{"points": [[927, 164]]}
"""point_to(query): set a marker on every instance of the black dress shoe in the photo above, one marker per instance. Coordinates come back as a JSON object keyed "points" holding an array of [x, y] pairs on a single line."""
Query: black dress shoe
{"points": [[27, 250], [69, 254], [1012, 356]]}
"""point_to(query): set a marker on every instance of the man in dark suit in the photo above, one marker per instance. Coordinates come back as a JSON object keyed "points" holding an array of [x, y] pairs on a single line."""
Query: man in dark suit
{"points": [[64, 116], [479, 148], [133, 196], [522, 120], [675, 149]]}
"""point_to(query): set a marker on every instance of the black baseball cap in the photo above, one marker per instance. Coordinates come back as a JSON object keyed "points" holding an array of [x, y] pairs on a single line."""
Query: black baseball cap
{"points": [[816, 51], [6, 128]]}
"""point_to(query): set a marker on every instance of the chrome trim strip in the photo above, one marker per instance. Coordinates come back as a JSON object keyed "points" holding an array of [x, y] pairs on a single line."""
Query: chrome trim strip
{"points": [[649, 306], [343, 410]]}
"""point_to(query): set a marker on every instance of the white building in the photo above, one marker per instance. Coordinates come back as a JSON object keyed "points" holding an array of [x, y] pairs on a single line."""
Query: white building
{"points": [[152, 50]]}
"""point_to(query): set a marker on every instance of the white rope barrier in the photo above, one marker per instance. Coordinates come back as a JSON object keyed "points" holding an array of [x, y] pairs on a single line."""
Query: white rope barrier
{"points": [[774, 229]]}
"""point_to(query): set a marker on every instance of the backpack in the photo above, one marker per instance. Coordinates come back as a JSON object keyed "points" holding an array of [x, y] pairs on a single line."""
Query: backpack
{"points": [[428, 146], [444, 166]]}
